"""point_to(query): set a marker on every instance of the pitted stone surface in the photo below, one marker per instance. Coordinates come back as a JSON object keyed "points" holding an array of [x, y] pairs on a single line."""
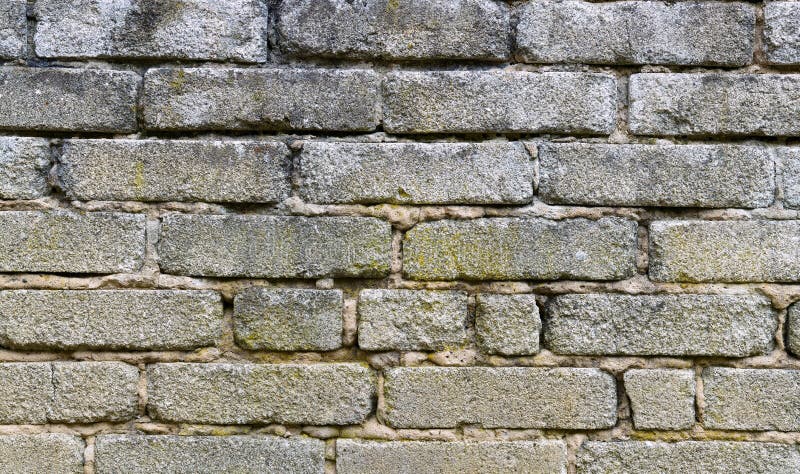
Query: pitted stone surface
{"points": [[13, 29], [24, 163], [49, 452], [661, 399], [507, 324], [781, 36], [86, 392], [793, 333]]}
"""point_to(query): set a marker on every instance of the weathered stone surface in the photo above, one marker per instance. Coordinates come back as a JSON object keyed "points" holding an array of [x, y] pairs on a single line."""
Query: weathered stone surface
{"points": [[275, 247], [708, 457], [781, 36], [411, 320], [521, 249], [288, 319], [789, 171], [26, 392], [409, 29], [443, 397], [59, 99], [661, 399], [731, 251], [678, 325], [507, 324], [118, 319], [429, 457], [656, 175], [416, 173], [66, 242], [793, 325], [714, 104], [218, 393], [48, 452], [13, 29], [684, 33], [123, 454], [86, 392], [261, 99], [499, 101], [24, 163], [186, 29]]}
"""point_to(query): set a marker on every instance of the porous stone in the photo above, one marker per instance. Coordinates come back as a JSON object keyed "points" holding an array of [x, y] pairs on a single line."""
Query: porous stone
{"points": [[124, 454], [47, 452], [411, 320], [67, 242], [445, 397], [677, 325], [87, 392], [408, 29], [154, 29], [117, 320], [507, 324], [261, 99], [714, 104], [661, 399], [220, 393], [636, 33], [60, 99], [13, 29], [26, 392], [789, 165], [730, 251], [24, 163], [793, 325], [521, 249], [274, 247], [656, 175], [175, 170], [499, 101], [416, 173], [781, 36], [287, 319]]}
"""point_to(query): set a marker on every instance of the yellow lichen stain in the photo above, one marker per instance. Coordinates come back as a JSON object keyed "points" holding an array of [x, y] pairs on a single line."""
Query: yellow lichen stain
{"points": [[179, 81], [138, 181], [392, 5]]}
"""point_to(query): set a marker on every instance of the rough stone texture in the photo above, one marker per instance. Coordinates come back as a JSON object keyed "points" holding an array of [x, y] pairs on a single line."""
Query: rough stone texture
{"points": [[789, 172], [677, 325], [116, 320], [287, 319], [442, 397], [793, 325], [219, 393], [57, 99], [261, 99], [123, 454], [714, 104], [411, 320], [751, 399], [13, 28], [636, 33], [86, 392], [26, 391], [67, 242], [523, 457], [507, 324], [656, 175], [408, 29], [661, 399], [708, 457], [164, 29], [733, 251], [274, 247], [24, 163], [781, 36], [499, 101], [175, 170], [521, 249], [53, 453], [416, 173]]}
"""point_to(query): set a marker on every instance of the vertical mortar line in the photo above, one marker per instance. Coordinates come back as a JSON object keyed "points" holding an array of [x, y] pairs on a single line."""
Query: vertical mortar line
{"points": [[295, 165], [380, 407], [642, 247], [623, 91], [396, 264], [228, 340], [512, 34], [88, 455], [699, 400], [782, 331], [573, 442], [30, 29], [759, 54], [141, 389], [54, 183]]}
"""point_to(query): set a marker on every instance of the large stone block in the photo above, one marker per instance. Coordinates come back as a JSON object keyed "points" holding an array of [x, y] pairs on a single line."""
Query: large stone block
{"points": [[781, 36], [87, 392], [507, 324], [49, 452], [24, 163], [661, 399], [13, 29]]}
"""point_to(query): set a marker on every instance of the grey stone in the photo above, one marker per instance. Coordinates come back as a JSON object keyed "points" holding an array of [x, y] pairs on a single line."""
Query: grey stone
{"points": [[793, 325], [24, 163], [729, 251], [158, 29], [507, 324], [66, 242], [677, 325], [275, 247], [411, 320], [59, 99], [707, 457], [13, 29], [445, 397], [661, 399], [117, 319], [261, 99], [124, 454], [52, 453], [287, 319], [714, 104], [684, 33], [499, 101], [408, 29], [781, 36], [656, 175], [521, 249], [86, 392], [175, 170], [416, 173], [789, 172], [26, 392], [219, 393], [435, 457]]}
